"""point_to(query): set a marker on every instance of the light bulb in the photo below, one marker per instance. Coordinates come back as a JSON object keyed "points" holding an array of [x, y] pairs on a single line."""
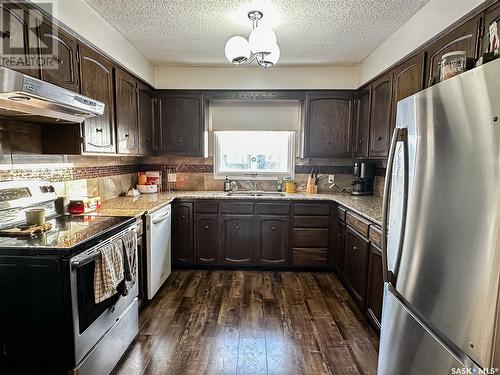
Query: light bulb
{"points": [[237, 50], [262, 39]]}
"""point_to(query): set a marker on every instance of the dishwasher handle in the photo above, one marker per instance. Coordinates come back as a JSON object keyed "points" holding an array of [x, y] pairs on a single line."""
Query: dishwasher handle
{"points": [[161, 218]]}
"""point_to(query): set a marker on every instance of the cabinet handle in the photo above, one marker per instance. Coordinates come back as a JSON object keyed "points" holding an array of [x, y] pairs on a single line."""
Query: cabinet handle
{"points": [[360, 141], [99, 130], [206, 226], [148, 139], [495, 118], [179, 141], [273, 228], [379, 138], [183, 216], [328, 142], [354, 248], [58, 59], [126, 135], [340, 235], [237, 227], [6, 35]]}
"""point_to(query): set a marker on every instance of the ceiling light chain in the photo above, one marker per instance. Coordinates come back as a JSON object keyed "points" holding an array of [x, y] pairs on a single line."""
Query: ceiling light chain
{"points": [[261, 46]]}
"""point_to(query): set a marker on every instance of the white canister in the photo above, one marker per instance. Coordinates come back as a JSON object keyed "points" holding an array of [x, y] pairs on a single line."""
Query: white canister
{"points": [[452, 64]]}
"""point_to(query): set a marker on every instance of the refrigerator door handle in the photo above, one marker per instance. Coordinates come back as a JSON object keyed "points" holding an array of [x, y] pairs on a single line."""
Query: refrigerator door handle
{"points": [[399, 135]]}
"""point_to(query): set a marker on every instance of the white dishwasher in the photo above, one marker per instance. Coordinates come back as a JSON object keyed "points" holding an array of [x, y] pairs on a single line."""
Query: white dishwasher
{"points": [[158, 248]]}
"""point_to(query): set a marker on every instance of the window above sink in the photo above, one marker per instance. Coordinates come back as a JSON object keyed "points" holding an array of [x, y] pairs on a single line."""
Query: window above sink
{"points": [[260, 155]]}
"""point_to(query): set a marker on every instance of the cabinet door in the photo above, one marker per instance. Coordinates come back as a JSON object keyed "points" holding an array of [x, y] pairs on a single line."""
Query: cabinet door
{"points": [[361, 139], [492, 14], [339, 246], [328, 126], [127, 132], [380, 116], [462, 38], [375, 286], [207, 239], [63, 71], [97, 83], [182, 122], [146, 119], [18, 40], [237, 239], [272, 240], [182, 233], [356, 265], [408, 79]]}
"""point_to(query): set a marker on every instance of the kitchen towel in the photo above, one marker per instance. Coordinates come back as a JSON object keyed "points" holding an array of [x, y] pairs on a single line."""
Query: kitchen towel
{"points": [[109, 270], [129, 241]]}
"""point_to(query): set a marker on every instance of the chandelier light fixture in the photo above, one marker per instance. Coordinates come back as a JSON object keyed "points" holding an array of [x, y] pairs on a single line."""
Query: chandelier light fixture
{"points": [[261, 46]]}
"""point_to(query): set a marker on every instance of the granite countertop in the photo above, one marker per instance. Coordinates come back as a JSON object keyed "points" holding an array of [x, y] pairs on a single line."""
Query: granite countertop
{"points": [[369, 206]]}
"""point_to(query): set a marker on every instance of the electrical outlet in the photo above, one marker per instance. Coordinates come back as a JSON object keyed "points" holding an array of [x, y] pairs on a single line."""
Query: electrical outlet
{"points": [[331, 179]]}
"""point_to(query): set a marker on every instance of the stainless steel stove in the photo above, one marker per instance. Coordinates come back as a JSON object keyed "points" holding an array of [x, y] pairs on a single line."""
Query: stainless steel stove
{"points": [[47, 289]]}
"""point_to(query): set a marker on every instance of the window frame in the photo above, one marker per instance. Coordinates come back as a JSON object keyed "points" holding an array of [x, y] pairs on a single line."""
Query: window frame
{"points": [[237, 175]]}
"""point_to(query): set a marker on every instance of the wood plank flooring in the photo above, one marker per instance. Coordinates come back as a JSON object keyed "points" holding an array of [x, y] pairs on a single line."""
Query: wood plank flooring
{"points": [[251, 322]]}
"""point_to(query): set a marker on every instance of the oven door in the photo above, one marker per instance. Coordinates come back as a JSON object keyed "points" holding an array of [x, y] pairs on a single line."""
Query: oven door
{"points": [[90, 320]]}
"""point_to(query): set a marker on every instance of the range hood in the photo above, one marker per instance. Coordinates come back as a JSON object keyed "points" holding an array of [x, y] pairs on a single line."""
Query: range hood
{"points": [[25, 98]]}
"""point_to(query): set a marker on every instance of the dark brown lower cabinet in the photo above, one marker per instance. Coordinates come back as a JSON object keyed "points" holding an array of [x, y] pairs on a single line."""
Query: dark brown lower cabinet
{"points": [[338, 247], [237, 239], [207, 239], [182, 233], [272, 245], [375, 286], [356, 265]]}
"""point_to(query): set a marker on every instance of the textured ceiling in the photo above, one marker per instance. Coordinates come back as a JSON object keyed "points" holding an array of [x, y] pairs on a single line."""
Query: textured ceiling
{"points": [[309, 32]]}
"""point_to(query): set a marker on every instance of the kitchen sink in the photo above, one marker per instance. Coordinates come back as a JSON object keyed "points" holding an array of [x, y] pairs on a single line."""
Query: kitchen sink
{"points": [[255, 194]]}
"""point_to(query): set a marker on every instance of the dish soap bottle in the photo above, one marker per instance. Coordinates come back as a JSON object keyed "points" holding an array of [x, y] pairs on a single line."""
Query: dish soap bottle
{"points": [[227, 184]]}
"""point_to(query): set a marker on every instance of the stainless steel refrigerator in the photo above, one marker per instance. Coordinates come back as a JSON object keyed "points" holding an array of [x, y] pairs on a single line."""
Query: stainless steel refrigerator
{"points": [[441, 255]]}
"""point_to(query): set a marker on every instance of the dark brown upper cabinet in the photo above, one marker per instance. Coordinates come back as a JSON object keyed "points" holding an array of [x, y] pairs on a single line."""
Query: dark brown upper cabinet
{"points": [[408, 79], [492, 14], [362, 130], [127, 131], [380, 116], [147, 119], [462, 38], [19, 39], [97, 83], [328, 126], [272, 234], [63, 70], [182, 124]]}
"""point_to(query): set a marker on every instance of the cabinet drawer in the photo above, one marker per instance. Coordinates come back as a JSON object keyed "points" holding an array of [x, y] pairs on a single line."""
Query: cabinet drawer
{"points": [[206, 207], [311, 222], [341, 211], [272, 208], [310, 257], [310, 237], [358, 223], [375, 236], [236, 207], [313, 209]]}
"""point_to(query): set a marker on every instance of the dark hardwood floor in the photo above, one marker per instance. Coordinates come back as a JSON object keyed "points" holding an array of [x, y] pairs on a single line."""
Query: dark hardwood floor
{"points": [[250, 322]]}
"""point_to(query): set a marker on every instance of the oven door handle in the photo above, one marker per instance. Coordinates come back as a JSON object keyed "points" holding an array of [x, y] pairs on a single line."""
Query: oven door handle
{"points": [[75, 264]]}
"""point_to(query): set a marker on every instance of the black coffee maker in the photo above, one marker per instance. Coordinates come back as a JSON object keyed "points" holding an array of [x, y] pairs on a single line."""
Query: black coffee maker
{"points": [[362, 179]]}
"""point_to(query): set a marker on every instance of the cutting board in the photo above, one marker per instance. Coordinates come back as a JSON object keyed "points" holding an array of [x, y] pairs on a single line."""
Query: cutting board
{"points": [[26, 230]]}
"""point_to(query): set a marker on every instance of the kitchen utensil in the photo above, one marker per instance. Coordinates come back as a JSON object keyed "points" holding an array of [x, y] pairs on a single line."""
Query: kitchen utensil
{"points": [[26, 230]]}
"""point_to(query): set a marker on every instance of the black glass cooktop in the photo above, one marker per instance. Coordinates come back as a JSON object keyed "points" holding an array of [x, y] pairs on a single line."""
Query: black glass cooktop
{"points": [[68, 233]]}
